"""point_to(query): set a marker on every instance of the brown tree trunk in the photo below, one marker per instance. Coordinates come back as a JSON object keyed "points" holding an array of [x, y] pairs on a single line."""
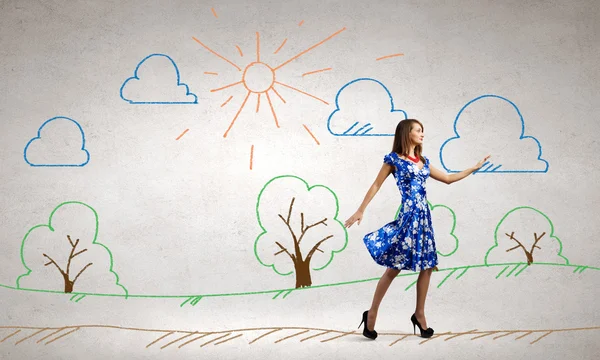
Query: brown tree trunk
{"points": [[529, 257], [302, 274], [68, 284]]}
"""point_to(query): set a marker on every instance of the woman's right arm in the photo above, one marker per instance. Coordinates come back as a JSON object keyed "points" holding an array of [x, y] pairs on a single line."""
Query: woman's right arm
{"points": [[384, 172]]}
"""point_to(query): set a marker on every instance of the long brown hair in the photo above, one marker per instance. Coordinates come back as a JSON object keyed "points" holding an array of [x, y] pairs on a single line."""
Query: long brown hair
{"points": [[402, 140]]}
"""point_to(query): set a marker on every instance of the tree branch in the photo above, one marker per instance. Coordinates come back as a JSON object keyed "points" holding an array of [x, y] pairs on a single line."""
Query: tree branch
{"points": [[304, 230], [55, 264], [70, 241], [312, 251], [283, 249], [536, 241], [82, 270], [82, 251], [511, 236], [73, 246]]}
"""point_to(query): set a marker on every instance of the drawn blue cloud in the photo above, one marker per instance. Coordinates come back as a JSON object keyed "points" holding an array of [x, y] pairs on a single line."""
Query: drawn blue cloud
{"points": [[367, 110], [156, 80], [491, 124], [60, 141]]}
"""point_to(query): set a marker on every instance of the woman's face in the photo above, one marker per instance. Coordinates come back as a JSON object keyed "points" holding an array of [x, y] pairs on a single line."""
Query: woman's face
{"points": [[416, 134]]}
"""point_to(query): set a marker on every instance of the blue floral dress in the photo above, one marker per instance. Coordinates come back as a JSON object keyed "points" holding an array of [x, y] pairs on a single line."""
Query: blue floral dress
{"points": [[407, 243]]}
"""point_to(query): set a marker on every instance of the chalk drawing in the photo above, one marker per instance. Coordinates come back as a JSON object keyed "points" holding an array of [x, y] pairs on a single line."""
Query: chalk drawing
{"points": [[492, 121], [161, 339], [442, 241], [156, 80], [525, 234], [297, 221], [368, 110], [60, 141], [259, 78], [482, 269], [389, 56], [56, 254]]}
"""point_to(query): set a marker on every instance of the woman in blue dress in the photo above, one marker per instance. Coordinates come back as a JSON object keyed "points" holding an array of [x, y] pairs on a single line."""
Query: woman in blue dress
{"points": [[408, 242]]}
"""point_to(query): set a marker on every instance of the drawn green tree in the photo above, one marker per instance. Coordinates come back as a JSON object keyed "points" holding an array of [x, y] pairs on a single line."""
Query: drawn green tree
{"points": [[65, 252], [445, 238], [300, 229], [525, 235]]}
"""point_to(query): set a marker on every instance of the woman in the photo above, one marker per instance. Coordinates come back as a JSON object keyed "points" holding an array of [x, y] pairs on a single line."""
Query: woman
{"points": [[407, 243]]}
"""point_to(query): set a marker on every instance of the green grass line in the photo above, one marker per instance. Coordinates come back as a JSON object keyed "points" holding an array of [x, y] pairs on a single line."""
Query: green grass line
{"points": [[446, 278], [278, 292]]}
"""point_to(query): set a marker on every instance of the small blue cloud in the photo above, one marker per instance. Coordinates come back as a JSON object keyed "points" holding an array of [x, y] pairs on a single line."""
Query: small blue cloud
{"points": [[60, 141], [154, 82], [500, 132], [371, 111]]}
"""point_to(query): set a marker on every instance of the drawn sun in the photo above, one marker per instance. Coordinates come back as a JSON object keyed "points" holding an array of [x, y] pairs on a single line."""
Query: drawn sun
{"points": [[260, 78]]}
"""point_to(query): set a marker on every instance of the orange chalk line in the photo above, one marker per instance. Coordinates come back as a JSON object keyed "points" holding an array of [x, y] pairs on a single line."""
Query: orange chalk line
{"points": [[302, 92], [216, 54], [272, 109], [231, 338], [210, 73], [291, 336], [240, 51], [315, 335], [30, 336], [388, 56], [258, 103], [226, 86], [316, 71], [400, 339], [257, 47], [160, 338], [237, 114], [215, 339], [176, 340], [226, 101], [251, 155], [63, 335], [194, 339], [280, 46], [277, 93], [339, 336], [301, 22], [310, 48], [263, 335], [183, 133], [169, 332], [47, 336], [311, 134], [214, 12], [11, 335]]}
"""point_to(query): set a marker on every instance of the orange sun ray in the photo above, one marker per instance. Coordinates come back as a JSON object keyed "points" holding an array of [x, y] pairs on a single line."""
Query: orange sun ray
{"points": [[251, 156], [226, 86], [280, 46], [237, 114], [310, 48], [226, 101], [311, 134], [302, 92], [216, 54], [258, 103], [272, 109], [316, 71], [389, 56], [257, 47], [276, 92], [240, 51]]}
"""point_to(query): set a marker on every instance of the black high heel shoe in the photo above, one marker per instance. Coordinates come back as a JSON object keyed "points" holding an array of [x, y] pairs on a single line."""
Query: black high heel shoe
{"points": [[424, 333], [366, 332]]}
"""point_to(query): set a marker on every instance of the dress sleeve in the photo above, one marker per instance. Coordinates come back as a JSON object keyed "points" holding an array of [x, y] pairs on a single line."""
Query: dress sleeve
{"points": [[388, 159]]}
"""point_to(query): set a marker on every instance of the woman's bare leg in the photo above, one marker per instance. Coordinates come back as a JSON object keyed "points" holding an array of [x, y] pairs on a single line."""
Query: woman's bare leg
{"points": [[422, 287], [382, 285]]}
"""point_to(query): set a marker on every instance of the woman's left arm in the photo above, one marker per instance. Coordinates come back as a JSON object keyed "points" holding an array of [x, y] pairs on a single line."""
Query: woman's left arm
{"points": [[450, 178]]}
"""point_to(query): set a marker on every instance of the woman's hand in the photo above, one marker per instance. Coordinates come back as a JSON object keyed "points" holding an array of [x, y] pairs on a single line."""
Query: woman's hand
{"points": [[356, 217], [481, 162]]}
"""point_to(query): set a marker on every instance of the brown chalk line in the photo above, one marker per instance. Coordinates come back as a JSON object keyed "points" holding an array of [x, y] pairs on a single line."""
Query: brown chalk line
{"points": [[321, 331]]}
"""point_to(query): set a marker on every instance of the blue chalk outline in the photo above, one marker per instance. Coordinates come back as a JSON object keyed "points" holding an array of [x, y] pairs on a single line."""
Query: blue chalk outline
{"points": [[364, 132], [488, 167], [38, 137], [179, 83]]}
